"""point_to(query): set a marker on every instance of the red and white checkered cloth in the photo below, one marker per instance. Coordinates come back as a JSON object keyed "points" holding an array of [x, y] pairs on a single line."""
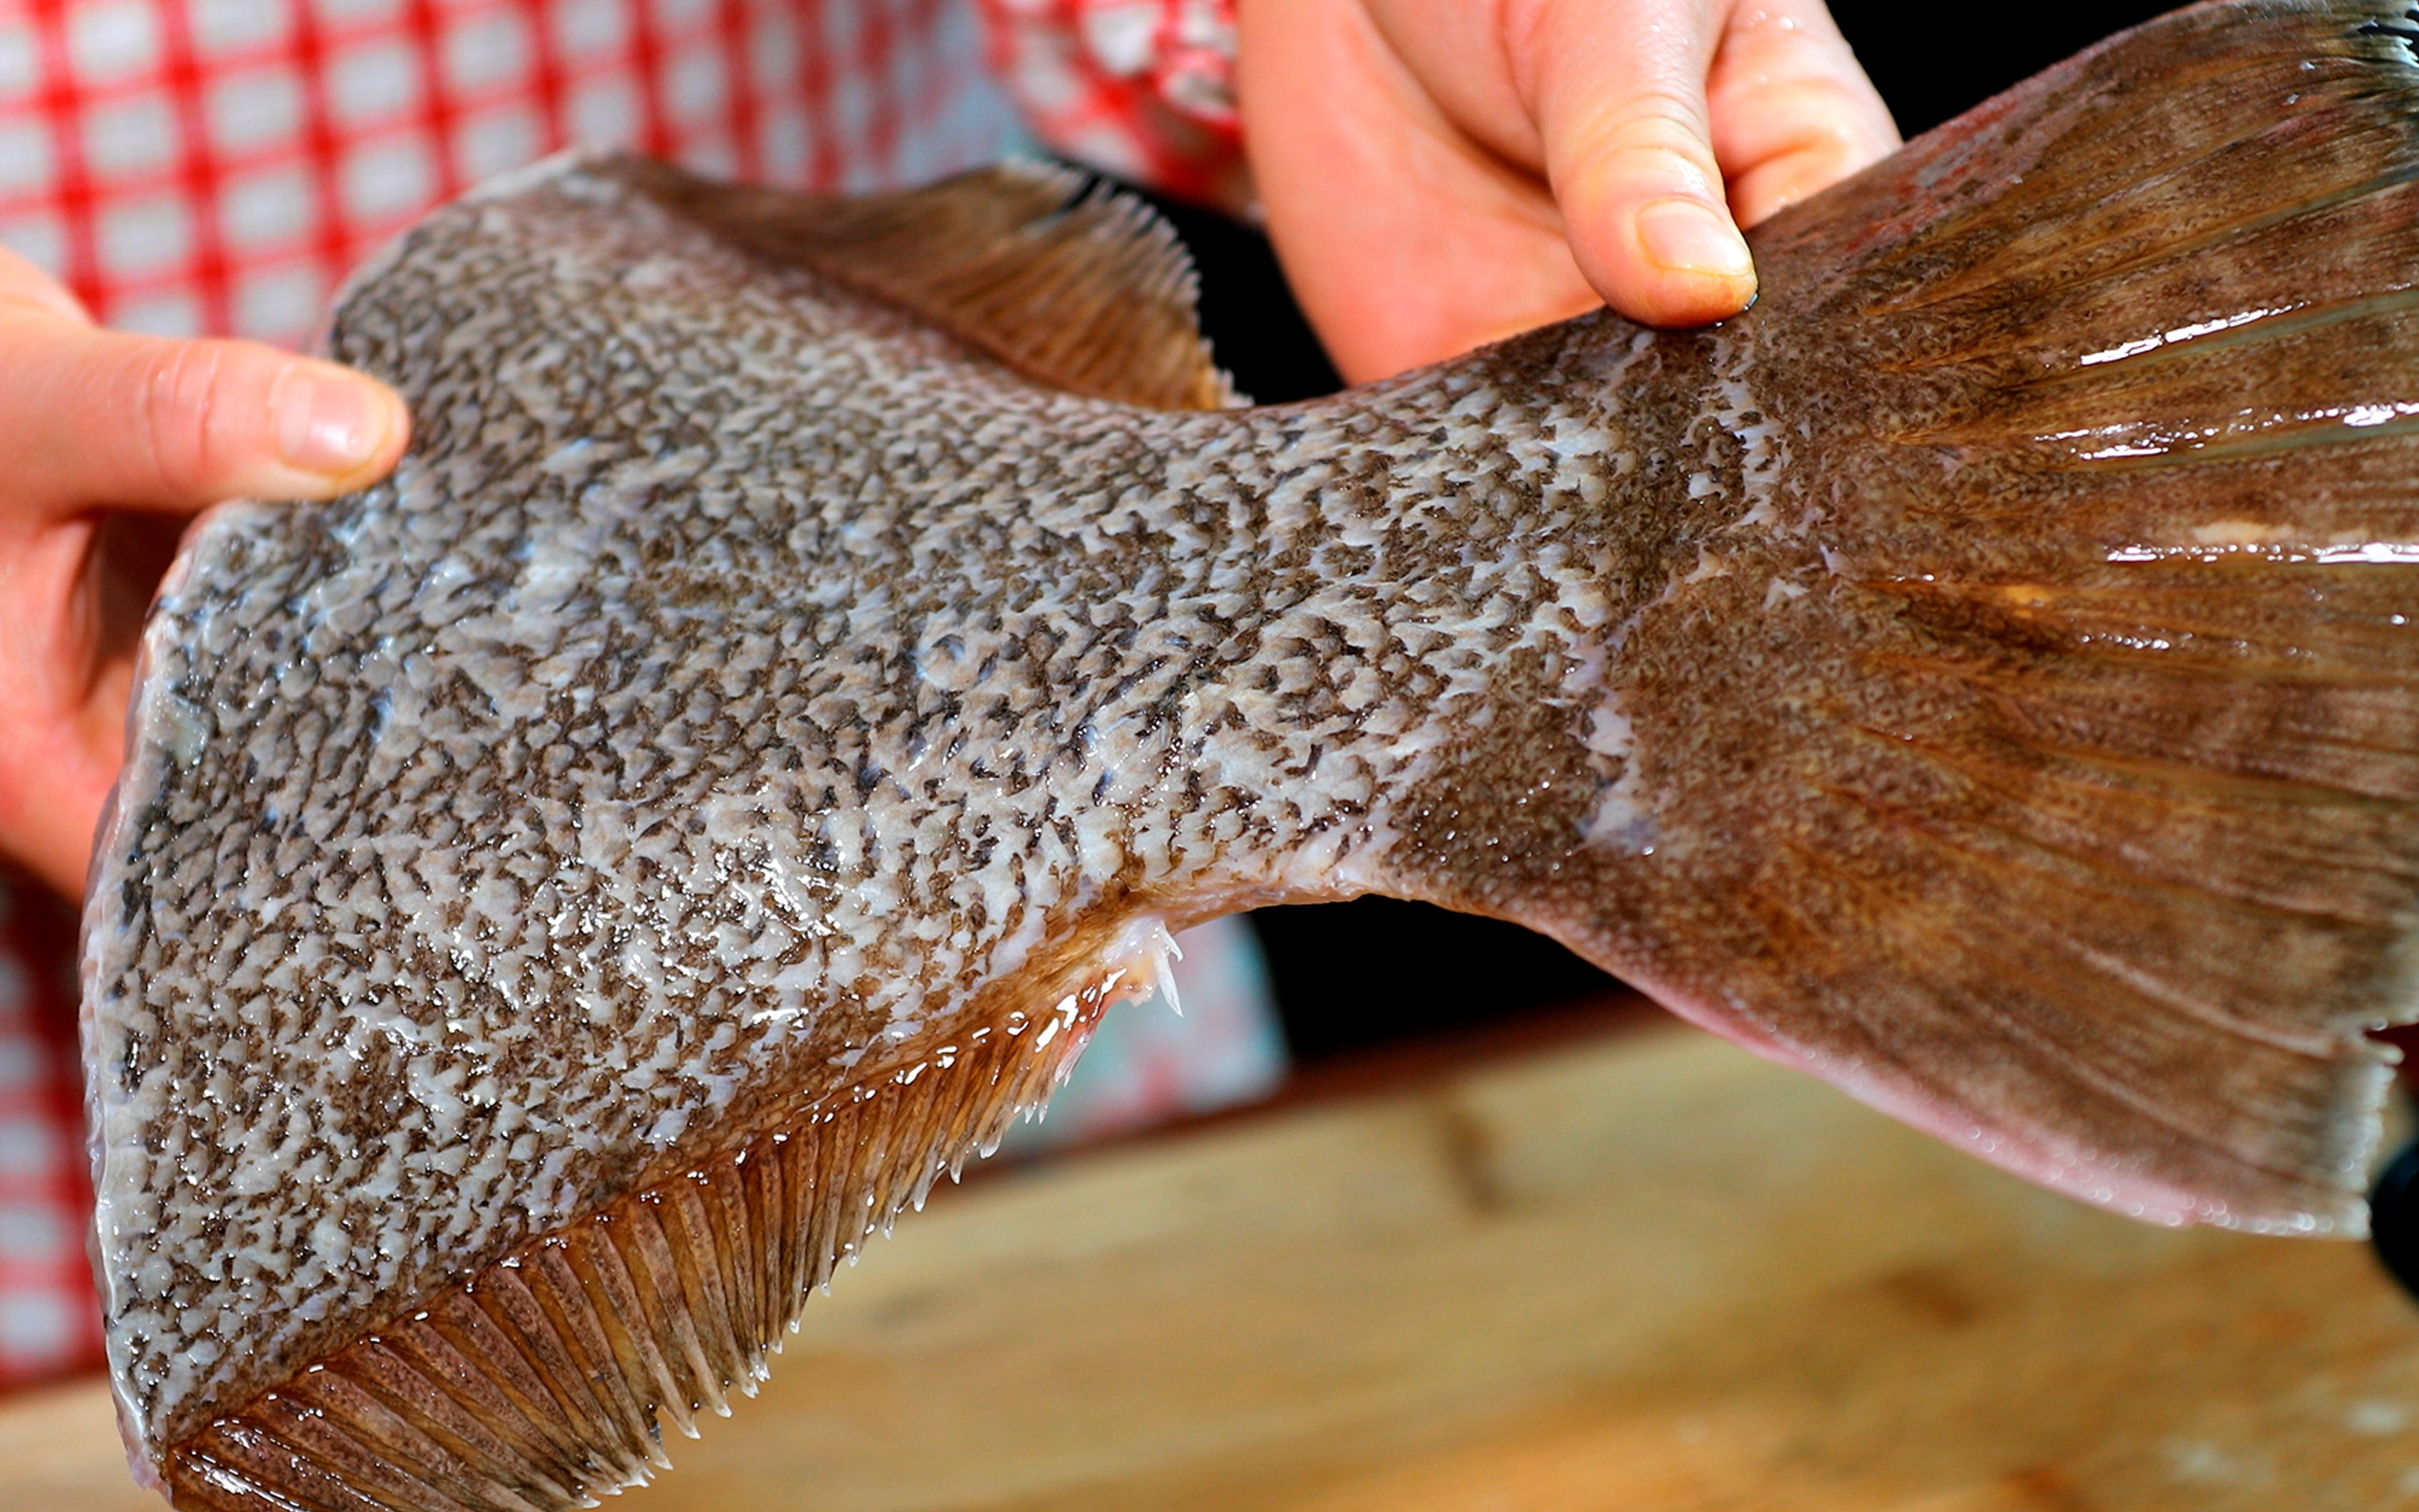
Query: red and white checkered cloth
{"points": [[217, 166], [48, 1322]]}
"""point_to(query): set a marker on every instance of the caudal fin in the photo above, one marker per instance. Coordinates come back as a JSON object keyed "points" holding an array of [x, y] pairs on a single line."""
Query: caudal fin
{"points": [[2068, 805]]}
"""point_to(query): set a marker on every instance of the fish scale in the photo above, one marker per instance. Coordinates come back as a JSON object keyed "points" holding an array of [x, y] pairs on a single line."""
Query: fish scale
{"points": [[564, 897]]}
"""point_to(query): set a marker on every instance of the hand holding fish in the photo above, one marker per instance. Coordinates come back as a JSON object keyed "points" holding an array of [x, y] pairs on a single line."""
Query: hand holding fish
{"points": [[1439, 174], [113, 440]]}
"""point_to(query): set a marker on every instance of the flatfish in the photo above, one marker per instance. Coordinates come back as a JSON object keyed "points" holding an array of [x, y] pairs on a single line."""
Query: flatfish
{"points": [[562, 900]]}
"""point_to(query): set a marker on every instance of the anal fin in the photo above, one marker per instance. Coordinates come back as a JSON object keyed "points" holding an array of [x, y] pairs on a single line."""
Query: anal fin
{"points": [[550, 1376]]}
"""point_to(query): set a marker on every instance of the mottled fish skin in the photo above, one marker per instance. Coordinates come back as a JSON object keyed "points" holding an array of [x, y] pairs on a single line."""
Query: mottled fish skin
{"points": [[746, 697], [816, 679]]}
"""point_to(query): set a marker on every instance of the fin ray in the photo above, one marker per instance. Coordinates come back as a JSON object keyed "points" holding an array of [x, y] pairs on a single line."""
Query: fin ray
{"points": [[2102, 669], [1085, 289], [1959, 943]]}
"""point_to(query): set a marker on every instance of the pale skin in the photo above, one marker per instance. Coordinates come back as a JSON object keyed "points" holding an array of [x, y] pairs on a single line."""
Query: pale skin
{"points": [[1435, 173]]}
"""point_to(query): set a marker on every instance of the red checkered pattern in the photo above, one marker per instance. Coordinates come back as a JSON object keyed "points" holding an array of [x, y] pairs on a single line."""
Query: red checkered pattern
{"points": [[47, 1324], [1144, 89], [193, 166], [217, 166]]}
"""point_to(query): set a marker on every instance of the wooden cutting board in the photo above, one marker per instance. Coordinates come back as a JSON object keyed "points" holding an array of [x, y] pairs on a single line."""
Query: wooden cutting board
{"points": [[1644, 1273]]}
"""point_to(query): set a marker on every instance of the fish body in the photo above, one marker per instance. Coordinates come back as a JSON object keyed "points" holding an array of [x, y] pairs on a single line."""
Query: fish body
{"points": [[563, 897]]}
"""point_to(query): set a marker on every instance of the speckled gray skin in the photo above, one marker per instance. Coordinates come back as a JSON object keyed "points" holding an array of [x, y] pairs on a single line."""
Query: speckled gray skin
{"points": [[741, 689], [956, 676]]}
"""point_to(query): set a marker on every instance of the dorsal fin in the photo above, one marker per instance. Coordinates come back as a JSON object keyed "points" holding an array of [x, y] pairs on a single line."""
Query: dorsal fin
{"points": [[1084, 288]]}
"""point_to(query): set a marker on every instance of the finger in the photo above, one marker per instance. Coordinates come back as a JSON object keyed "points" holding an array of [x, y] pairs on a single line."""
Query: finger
{"points": [[91, 417], [1793, 111], [1405, 241], [55, 812], [61, 712], [1618, 92]]}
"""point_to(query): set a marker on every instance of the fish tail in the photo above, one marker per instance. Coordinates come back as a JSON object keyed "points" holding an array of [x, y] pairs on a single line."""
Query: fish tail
{"points": [[2040, 763]]}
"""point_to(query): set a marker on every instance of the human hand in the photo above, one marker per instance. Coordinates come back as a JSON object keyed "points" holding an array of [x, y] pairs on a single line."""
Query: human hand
{"points": [[1438, 173], [109, 444]]}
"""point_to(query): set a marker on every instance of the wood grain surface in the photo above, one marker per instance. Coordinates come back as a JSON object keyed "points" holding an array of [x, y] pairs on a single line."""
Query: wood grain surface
{"points": [[1644, 1273]]}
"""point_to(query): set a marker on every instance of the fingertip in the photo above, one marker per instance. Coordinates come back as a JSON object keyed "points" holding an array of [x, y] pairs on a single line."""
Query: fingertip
{"points": [[1691, 266], [337, 428], [1635, 173], [1693, 238]]}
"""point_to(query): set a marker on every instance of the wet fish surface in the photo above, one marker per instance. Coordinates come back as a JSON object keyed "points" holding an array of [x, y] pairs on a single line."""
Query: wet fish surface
{"points": [[562, 899]]}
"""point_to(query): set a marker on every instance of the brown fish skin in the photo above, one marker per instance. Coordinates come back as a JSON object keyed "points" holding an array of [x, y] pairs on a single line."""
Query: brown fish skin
{"points": [[562, 899]]}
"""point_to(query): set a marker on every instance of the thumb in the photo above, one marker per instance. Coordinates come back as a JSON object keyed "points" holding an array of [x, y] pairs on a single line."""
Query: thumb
{"points": [[1620, 104], [99, 418]]}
